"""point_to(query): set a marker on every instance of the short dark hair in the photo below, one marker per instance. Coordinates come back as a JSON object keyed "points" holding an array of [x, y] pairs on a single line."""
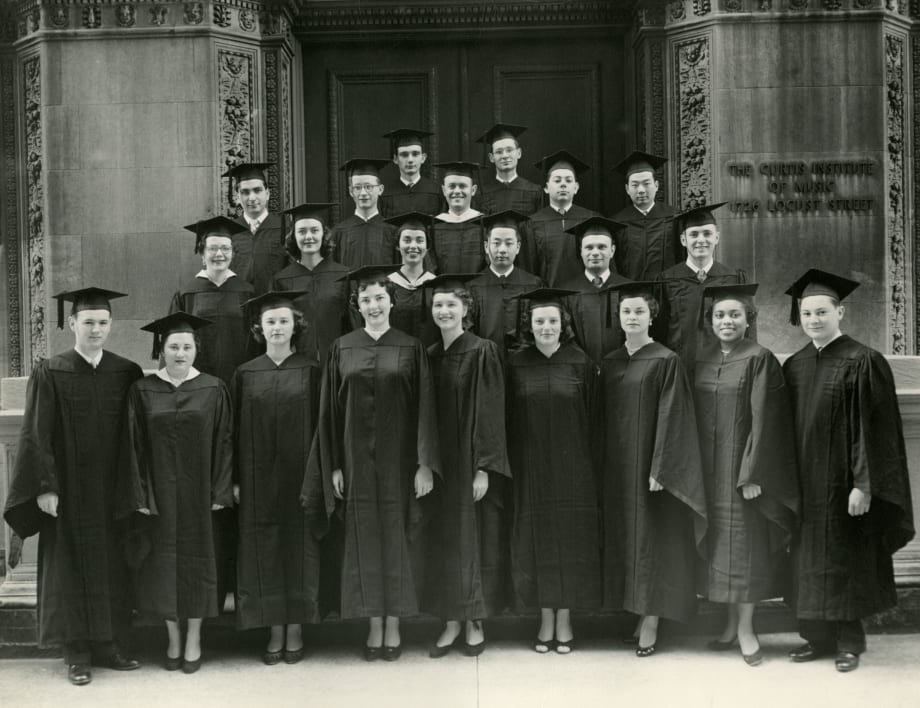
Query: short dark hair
{"points": [[300, 325], [365, 283], [653, 307], [290, 242], [566, 335]]}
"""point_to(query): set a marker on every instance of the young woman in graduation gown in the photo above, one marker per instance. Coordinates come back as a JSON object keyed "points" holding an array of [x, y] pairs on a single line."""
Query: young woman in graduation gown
{"points": [[468, 537], [324, 298], [746, 441], [373, 461], [555, 556], [412, 305], [275, 401], [180, 452], [654, 508]]}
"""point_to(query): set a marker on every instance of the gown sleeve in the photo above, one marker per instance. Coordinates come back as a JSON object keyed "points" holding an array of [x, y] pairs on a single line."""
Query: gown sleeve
{"points": [[489, 448], [136, 484], [427, 435], [222, 452]]}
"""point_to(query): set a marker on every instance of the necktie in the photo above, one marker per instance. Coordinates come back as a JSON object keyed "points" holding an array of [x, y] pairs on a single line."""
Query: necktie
{"points": [[254, 226], [596, 281], [701, 275]]}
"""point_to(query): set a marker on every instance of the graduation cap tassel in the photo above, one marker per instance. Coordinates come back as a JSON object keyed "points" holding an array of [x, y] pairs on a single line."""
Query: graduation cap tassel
{"points": [[155, 353], [794, 312], [60, 308]]}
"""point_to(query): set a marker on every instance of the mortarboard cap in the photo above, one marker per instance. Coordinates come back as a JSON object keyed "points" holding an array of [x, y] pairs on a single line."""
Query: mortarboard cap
{"points": [[509, 218], [90, 298], [458, 167], [732, 291], [449, 281], [248, 170], [370, 272], [697, 216], [637, 288], [214, 226], [363, 166], [401, 137], [561, 159], [175, 322], [254, 307], [411, 219], [310, 210], [595, 225], [500, 131], [546, 296], [818, 282], [638, 161]]}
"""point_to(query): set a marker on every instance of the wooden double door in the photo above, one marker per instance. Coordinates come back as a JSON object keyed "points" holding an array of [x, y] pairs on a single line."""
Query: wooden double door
{"points": [[571, 94]]}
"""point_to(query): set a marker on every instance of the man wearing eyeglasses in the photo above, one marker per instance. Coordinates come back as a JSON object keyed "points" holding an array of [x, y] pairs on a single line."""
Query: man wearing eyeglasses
{"points": [[259, 245], [363, 238]]}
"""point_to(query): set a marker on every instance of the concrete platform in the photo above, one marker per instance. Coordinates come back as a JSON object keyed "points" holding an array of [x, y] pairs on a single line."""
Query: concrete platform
{"points": [[509, 674]]}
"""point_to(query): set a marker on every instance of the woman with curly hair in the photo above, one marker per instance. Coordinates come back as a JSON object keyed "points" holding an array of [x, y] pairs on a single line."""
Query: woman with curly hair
{"points": [[275, 398], [555, 557]]}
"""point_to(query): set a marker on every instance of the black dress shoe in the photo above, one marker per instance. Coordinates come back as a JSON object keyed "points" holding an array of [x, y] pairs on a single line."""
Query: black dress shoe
{"points": [[808, 652], [118, 662], [474, 649], [79, 674], [270, 658], [438, 652], [292, 656], [392, 653], [372, 653], [173, 664], [643, 652], [846, 661], [190, 667]]}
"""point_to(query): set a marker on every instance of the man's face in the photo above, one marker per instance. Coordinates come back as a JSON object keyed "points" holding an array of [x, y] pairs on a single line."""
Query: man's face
{"points": [[365, 190], [820, 316], [502, 247], [253, 196], [561, 186], [91, 328], [596, 252], [409, 159], [700, 241], [505, 154], [642, 188], [458, 191]]}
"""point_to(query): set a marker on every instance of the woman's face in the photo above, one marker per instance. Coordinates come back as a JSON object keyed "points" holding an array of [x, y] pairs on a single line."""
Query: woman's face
{"points": [[308, 235], [374, 305], [448, 311], [729, 320], [546, 323], [635, 316], [278, 325], [413, 245], [218, 252], [179, 353]]}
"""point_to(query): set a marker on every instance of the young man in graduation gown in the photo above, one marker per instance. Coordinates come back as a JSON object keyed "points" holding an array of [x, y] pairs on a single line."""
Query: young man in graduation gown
{"points": [[63, 487], [410, 190], [594, 307], [364, 238], [549, 243], [647, 245], [259, 246], [856, 505], [505, 189], [684, 283], [497, 308], [457, 232]]}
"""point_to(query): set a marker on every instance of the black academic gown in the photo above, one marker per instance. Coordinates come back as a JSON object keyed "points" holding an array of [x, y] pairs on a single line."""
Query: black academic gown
{"points": [[411, 311], [278, 561], [555, 253], [651, 539], [648, 245], [228, 342], [746, 437], [458, 247], [257, 257], [181, 458], [848, 434], [356, 242], [496, 311], [72, 429], [468, 574], [555, 554], [324, 306], [377, 424], [424, 196], [595, 317], [682, 308], [521, 195]]}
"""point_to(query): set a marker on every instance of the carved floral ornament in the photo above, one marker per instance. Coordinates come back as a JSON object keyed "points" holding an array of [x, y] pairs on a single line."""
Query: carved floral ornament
{"points": [[124, 14]]}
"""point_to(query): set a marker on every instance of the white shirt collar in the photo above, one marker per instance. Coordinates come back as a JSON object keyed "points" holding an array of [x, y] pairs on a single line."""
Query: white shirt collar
{"points": [[502, 275], [365, 219], [708, 267], [644, 212], [409, 183], [506, 181], [452, 218], [92, 361], [203, 273], [824, 346], [559, 210], [604, 275], [161, 374], [257, 221]]}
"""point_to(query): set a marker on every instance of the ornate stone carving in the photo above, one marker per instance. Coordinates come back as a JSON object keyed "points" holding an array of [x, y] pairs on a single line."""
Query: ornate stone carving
{"points": [[235, 100], [33, 21], [894, 177], [158, 15], [798, 4], [124, 15], [222, 15], [694, 121], [915, 54], [863, 4], [765, 5], [702, 7], [286, 166], [732, 5], [641, 112], [193, 13], [31, 75], [10, 225], [247, 20], [271, 125], [58, 16], [676, 11], [832, 4], [651, 15], [92, 17], [657, 114]]}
